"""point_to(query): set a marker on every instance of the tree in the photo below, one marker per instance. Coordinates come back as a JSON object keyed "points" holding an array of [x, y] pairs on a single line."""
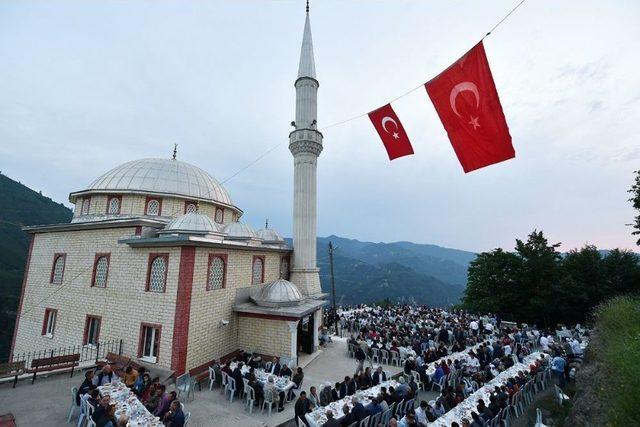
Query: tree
{"points": [[582, 284], [635, 200], [622, 273], [538, 277], [492, 283]]}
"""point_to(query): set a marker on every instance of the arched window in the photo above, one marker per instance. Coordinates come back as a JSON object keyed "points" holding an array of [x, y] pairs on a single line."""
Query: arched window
{"points": [[157, 276], [57, 272], [86, 203], [114, 206], [101, 271], [257, 271], [284, 268], [190, 208], [217, 272], [219, 218], [153, 207]]}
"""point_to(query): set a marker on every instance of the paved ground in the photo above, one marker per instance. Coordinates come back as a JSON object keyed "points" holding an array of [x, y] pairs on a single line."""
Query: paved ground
{"points": [[46, 402]]}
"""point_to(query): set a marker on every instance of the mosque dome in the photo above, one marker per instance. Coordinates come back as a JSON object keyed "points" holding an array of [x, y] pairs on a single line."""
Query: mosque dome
{"points": [[280, 293], [239, 230], [192, 223], [269, 235], [160, 176]]}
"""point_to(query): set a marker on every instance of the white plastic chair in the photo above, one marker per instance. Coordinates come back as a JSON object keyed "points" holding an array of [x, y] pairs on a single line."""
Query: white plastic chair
{"points": [[560, 395], [83, 410], [72, 408], [250, 395], [364, 422], [225, 381], [184, 384], [212, 378], [395, 357], [187, 416], [268, 401], [375, 355], [384, 358], [230, 388], [439, 383]]}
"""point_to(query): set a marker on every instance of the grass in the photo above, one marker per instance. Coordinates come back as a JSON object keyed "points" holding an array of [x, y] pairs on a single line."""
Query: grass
{"points": [[618, 348]]}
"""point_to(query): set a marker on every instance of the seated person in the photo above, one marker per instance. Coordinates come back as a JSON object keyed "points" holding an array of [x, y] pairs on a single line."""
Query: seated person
{"points": [[105, 376], [130, 377], [174, 417]]}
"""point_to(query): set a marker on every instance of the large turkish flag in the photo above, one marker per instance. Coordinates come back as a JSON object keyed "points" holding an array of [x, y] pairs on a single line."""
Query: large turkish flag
{"points": [[391, 132], [467, 102]]}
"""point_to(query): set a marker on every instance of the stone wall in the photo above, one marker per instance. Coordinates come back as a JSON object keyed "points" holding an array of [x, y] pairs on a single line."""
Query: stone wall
{"points": [[122, 305], [265, 336], [208, 339]]}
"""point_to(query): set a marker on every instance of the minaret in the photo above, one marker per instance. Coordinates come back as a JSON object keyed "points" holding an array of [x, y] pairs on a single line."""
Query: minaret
{"points": [[305, 144]]}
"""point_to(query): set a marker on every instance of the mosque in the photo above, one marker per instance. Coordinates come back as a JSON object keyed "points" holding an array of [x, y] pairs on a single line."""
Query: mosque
{"points": [[156, 257]]}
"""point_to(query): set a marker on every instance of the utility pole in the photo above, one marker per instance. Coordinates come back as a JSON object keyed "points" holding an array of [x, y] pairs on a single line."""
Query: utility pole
{"points": [[333, 288]]}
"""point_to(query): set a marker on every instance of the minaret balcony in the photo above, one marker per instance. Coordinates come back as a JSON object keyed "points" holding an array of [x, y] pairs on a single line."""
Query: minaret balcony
{"points": [[305, 141]]}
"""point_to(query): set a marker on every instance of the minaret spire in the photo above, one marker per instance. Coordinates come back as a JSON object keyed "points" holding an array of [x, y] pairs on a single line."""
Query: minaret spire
{"points": [[305, 144], [307, 67]]}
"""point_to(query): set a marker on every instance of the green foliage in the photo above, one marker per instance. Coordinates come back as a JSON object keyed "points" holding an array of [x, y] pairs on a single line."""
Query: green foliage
{"points": [[635, 199], [535, 284], [617, 348]]}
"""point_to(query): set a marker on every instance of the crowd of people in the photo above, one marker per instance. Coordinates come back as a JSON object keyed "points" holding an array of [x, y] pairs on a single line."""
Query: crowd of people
{"points": [[150, 392], [454, 344]]}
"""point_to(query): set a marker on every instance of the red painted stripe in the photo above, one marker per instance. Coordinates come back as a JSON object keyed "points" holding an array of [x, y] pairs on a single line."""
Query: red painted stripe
{"points": [[183, 310]]}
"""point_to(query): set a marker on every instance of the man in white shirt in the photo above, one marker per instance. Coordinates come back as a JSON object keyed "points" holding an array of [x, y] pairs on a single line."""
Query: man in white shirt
{"points": [[421, 416], [474, 328], [544, 343], [576, 347]]}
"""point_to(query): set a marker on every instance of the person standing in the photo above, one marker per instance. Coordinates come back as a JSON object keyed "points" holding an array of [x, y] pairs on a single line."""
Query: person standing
{"points": [[302, 407]]}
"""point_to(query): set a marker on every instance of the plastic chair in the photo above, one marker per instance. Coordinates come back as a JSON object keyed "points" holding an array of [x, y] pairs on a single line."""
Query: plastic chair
{"points": [[225, 381], [250, 395], [386, 417], [364, 422], [375, 420], [395, 357], [439, 383], [74, 391], [560, 396], [184, 384], [230, 387], [399, 409], [91, 423], [375, 355], [384, 358], [268, 402], [187, 416], [212, 378]]}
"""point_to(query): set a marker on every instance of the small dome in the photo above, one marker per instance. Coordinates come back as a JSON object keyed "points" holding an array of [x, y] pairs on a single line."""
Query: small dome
{"points": [[280, 293], [192, 223], [160, 176], [239, 230], [270, 235]]}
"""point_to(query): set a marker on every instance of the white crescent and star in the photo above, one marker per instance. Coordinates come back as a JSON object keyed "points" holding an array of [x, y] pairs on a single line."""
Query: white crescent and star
{"points": [[461, 87], [384, 122]]}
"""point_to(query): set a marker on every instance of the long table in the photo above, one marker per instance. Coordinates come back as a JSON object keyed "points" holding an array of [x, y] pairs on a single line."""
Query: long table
{"points": [[318, 416], [464, 409], [281, 383], [128, 404]]}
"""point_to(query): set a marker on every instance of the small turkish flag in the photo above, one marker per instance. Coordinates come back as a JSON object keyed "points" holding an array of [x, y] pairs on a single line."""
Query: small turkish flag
{"points": [[467, 102], [391, 132]]}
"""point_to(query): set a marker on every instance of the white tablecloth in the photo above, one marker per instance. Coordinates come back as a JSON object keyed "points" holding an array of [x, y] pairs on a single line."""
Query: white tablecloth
{"points": [[464, 409], [281, 383], [318, 416], [127, 403]]}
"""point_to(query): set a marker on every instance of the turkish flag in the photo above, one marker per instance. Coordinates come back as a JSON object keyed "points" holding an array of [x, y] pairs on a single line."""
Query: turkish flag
{"points": [[466, 100], [391, 132]]}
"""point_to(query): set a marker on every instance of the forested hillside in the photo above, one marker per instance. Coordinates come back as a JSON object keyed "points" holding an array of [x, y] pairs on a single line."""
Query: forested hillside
{"points": [[20, 206]]}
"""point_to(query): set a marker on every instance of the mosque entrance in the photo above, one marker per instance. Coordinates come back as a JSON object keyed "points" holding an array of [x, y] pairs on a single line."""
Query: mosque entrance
{"points": [[305, 334]]}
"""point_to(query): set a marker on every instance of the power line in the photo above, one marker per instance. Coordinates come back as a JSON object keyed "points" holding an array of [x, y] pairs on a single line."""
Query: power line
{"points": [[341, 122]]}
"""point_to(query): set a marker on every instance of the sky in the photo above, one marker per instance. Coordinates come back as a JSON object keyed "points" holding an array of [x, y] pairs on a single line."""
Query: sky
{"points": [[88, 85]]}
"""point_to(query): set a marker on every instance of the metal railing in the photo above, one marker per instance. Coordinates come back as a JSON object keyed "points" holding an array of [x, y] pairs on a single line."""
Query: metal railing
{"points": [[88, 352]]}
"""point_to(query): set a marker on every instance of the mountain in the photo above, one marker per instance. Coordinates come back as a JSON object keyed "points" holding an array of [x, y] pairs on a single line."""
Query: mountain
{"points": [[20, 206], [400, 271], [447, 265]]}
